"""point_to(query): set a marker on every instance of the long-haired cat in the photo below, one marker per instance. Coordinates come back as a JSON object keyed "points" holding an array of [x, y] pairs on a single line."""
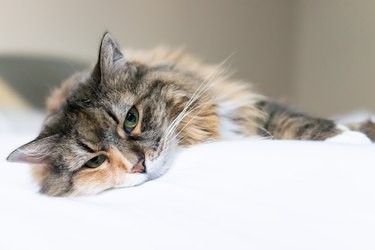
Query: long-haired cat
{"points": [[119, 123]]}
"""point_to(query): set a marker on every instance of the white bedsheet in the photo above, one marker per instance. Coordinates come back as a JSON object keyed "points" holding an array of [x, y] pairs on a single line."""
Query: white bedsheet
{"points": [[229, 195]]}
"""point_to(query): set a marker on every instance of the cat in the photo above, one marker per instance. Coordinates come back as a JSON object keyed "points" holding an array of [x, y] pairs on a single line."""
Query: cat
{"points": [[119, 123]]}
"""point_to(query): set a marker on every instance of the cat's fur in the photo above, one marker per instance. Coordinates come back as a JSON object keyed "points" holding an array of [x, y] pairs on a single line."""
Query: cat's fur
{"points": [[181, 102]]}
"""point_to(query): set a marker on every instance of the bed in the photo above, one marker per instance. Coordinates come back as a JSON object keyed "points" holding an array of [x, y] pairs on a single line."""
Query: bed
{"points": [[246, 194]]}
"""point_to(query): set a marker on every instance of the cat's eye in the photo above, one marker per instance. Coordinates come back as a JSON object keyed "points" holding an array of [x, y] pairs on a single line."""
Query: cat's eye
{"points": [[96, 161], [131, 120]]}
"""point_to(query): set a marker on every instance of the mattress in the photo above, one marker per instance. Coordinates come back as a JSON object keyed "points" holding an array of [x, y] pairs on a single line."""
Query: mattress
{"points": [[245, 194]]}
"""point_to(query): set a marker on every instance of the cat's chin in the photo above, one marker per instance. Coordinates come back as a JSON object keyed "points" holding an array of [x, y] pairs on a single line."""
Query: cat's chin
{"points": [[154, 170], [134, 179], [159, 166]]}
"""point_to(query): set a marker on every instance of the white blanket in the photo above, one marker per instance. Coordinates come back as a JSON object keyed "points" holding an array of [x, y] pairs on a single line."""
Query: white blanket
{"points": [[229, 195]]}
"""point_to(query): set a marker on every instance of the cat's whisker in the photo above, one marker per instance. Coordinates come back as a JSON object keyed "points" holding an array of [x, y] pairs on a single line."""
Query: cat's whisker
{"points": [[175, 136], [206, 82], [203, 87], [186, 114], [180, 116], [189, 112], [195, 108], [170, 144]]}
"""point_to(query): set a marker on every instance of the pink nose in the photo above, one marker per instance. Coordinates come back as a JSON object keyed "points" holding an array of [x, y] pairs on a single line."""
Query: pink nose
{"points": [[140, 167]]}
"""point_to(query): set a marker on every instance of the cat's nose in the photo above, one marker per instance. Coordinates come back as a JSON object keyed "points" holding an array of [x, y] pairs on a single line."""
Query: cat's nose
{"points": [[140, 167]]}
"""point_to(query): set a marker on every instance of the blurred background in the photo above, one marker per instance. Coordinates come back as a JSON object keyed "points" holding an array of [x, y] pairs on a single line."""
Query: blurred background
{"points": [[316, 55]]}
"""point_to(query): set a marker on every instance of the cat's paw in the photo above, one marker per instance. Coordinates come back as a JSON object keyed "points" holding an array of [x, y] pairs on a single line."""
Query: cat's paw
{"points": [[349, 136]]}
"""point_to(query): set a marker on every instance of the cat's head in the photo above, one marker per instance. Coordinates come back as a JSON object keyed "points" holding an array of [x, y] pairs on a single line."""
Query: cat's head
{"points": [[118, 125]]}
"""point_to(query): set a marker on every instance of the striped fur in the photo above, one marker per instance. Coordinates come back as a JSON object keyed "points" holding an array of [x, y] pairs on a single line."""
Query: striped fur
{"points": [[181, 102]]}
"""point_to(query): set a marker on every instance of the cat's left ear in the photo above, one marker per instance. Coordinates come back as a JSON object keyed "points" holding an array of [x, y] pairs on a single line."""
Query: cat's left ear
{"points": [[36, 152], [110, 58]]}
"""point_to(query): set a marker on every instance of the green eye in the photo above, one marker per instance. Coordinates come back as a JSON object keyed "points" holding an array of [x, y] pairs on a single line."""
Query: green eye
{"points": [[131, 120], [96, 161]]}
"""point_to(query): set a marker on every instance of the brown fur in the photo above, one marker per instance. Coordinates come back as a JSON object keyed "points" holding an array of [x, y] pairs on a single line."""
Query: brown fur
{"points": [[86, 116], [367, 127], [283, 123], [109, 175]]}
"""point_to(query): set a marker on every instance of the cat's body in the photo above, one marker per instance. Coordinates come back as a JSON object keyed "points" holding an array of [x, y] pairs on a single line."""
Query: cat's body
{"points": [[119, 123]]}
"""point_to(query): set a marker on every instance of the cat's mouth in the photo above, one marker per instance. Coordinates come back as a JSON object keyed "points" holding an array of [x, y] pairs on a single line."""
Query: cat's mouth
{"points": [[140, 167]]}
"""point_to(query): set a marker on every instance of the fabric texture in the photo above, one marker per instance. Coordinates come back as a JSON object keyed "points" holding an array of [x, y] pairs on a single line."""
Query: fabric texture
{"points": [[229, 195]]}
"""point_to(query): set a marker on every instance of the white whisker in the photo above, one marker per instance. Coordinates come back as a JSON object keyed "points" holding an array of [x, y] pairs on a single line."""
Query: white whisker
{"points": [[202, 88]]}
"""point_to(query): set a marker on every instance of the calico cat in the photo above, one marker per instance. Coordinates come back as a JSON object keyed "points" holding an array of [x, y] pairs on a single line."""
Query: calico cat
{"points": [[119, 123]]}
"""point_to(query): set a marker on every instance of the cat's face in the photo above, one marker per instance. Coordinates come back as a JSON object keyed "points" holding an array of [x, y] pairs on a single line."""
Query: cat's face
{"points": [[118, 126]]}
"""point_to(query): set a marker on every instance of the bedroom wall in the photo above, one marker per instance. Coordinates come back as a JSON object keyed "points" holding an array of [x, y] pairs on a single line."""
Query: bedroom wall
{"points": [[257, 31], [334, 56], [317, 55]]}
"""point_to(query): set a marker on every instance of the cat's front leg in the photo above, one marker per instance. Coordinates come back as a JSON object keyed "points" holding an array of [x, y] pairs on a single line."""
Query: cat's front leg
{"points": [[349, 136], [283, 123]]}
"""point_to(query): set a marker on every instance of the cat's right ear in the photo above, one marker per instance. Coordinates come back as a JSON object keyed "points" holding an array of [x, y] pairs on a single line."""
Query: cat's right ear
{"points": [[37, 151], [110, 58]]}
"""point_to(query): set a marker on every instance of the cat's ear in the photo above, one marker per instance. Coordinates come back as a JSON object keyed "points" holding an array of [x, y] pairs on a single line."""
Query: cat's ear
{"points": [[110, 58], [37, 151]]}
